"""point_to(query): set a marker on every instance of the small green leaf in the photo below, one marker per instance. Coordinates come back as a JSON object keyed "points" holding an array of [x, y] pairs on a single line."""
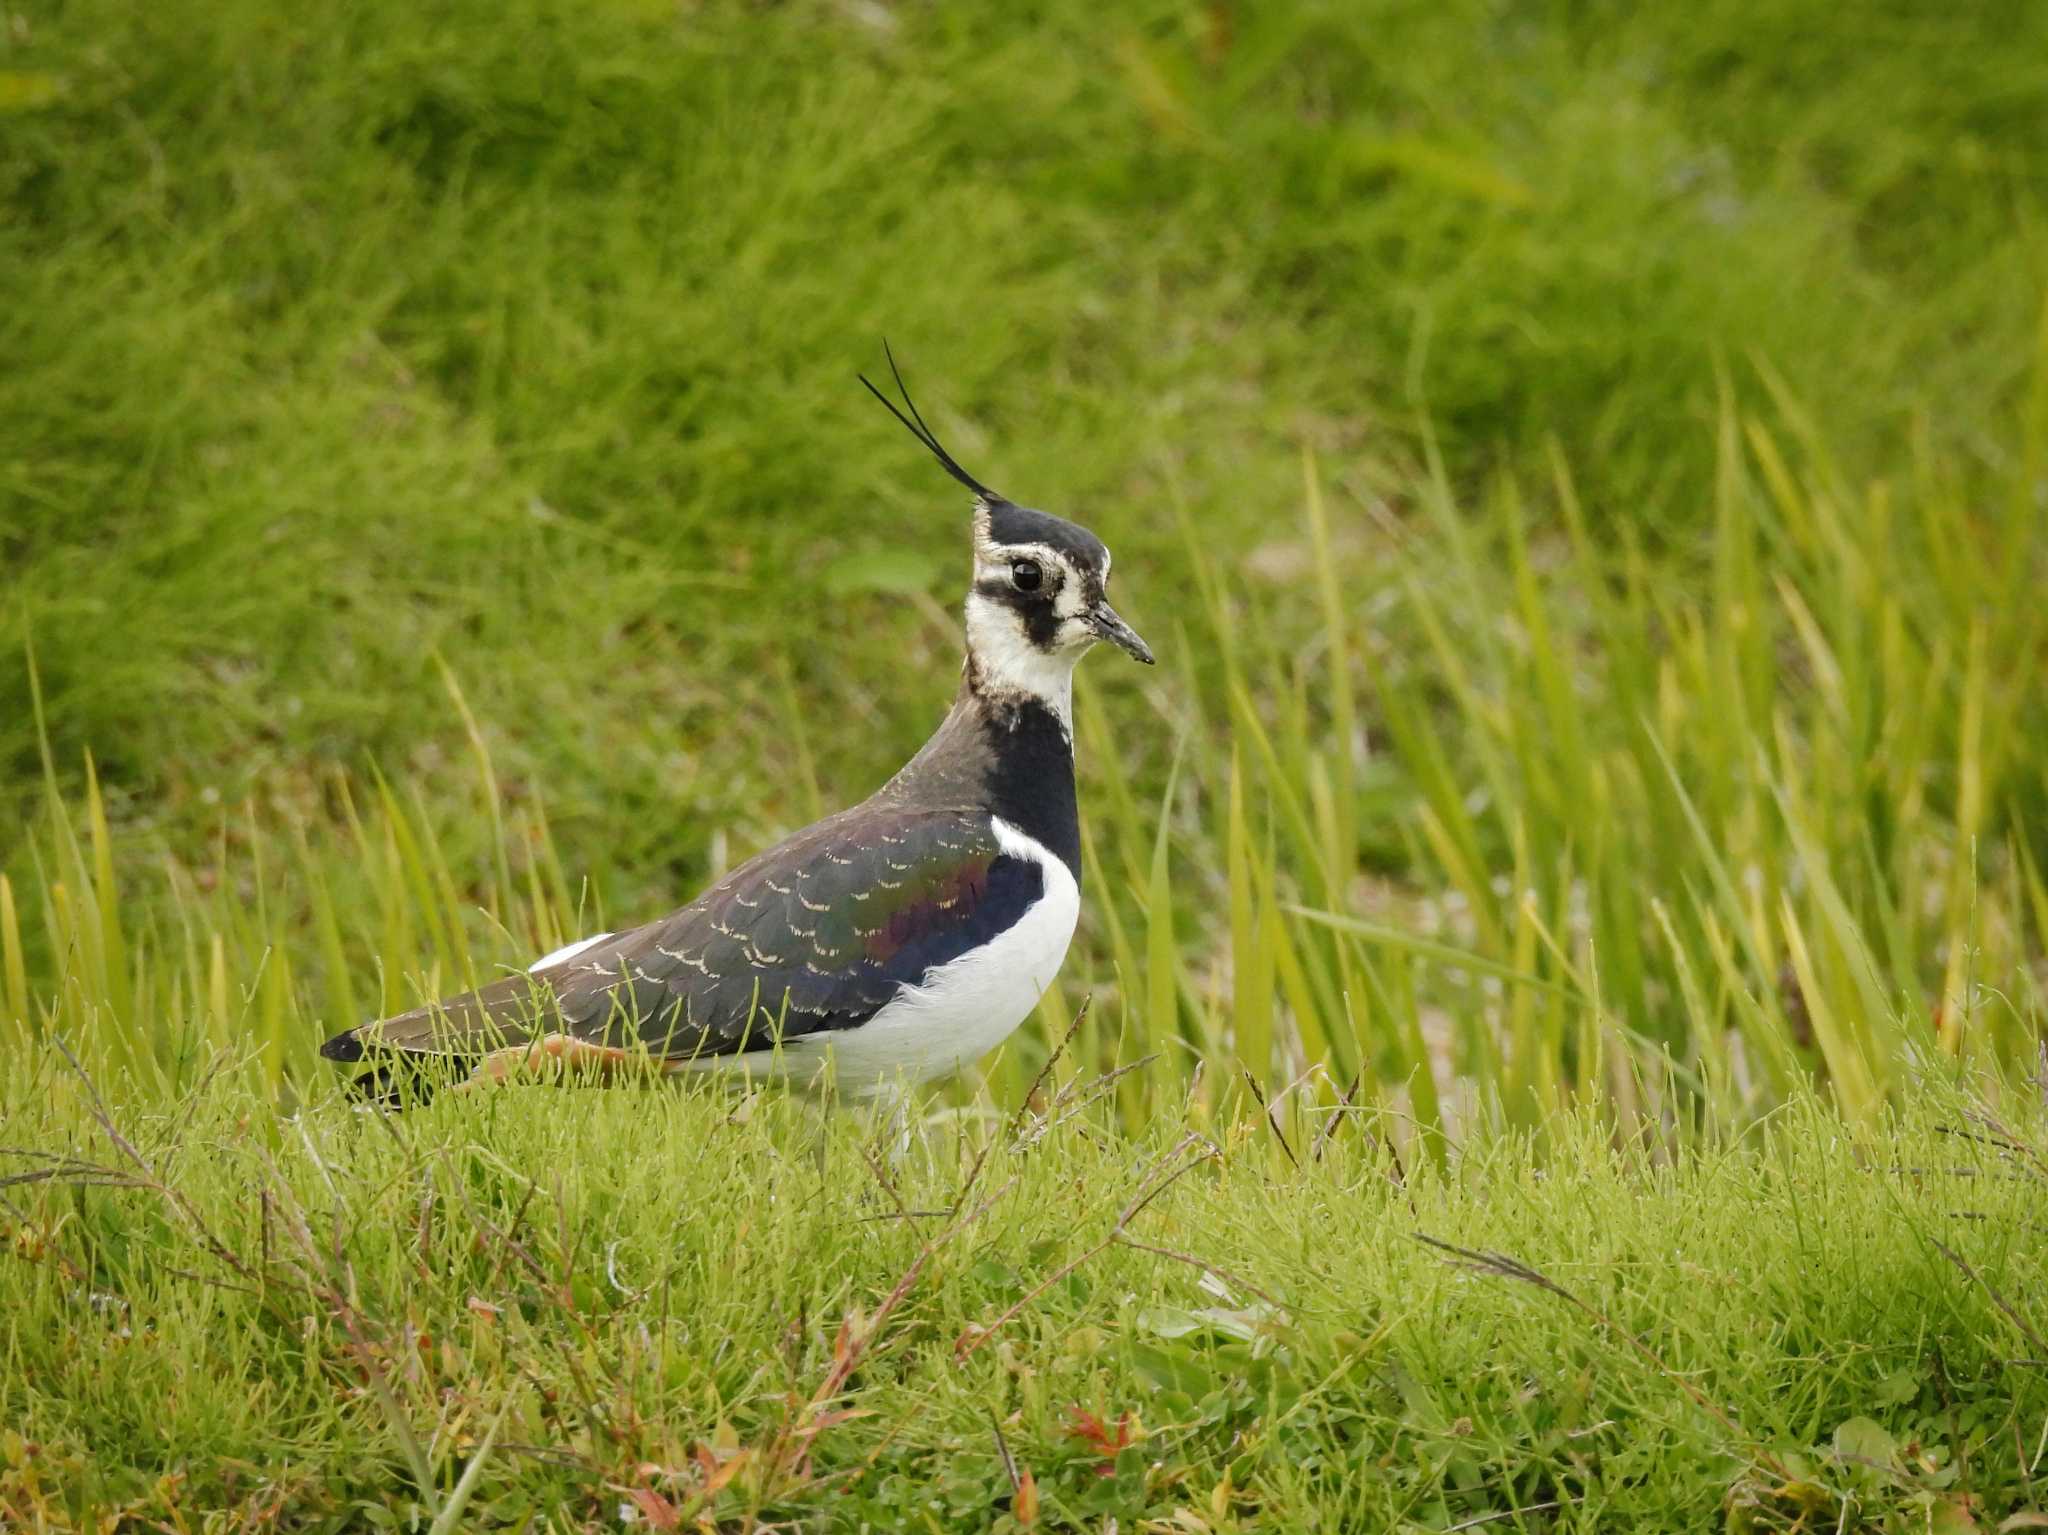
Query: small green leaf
{"points": [[1898, 1388], [1169, 1321], [997, 1276], [1171, 1369], [1865, 1441]]}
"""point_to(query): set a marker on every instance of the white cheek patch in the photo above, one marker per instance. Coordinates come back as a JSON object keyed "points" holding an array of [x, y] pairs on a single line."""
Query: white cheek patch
{"points": [[1010, 663]]}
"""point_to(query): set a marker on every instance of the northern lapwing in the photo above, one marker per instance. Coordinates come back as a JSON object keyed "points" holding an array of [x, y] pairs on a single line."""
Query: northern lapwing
{"points": [[884, 946]]}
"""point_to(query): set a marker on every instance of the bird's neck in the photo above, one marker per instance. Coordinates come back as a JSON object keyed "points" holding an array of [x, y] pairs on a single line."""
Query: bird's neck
{"points": [[1031, 766], [1008, 751]]}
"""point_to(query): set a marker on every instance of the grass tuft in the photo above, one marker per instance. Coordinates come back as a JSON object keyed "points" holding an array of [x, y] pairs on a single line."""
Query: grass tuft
{"points": [[507, 1303]]}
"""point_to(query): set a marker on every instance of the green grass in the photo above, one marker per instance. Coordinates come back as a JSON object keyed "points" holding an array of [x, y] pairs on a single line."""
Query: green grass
{"points": [[525, 1309], [1580, 470]]}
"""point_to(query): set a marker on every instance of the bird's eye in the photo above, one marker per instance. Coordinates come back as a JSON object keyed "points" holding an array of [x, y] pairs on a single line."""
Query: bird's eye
{"points": [[1026, 576]]}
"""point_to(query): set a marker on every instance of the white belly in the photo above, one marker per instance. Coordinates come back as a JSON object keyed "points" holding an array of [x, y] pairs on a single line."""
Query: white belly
{"points": [[962, 1010]]}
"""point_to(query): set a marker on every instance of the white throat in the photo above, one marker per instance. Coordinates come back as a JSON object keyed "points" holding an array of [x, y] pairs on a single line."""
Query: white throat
{"points": [[1006, 661]]}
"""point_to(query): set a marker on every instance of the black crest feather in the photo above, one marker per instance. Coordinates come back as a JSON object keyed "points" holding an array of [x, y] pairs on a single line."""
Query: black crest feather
{"points": [[914, 424]]}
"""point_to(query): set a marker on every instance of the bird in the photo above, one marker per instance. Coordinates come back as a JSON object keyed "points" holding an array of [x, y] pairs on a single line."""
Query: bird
{"points": [[885, 946]]}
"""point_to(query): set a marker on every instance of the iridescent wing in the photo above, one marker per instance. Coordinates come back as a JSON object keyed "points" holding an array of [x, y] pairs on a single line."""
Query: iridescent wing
{"points": [[818, 933]]}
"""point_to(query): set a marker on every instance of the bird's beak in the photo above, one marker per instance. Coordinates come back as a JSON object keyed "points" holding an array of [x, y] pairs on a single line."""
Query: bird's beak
{"points": [[1103, 619]]}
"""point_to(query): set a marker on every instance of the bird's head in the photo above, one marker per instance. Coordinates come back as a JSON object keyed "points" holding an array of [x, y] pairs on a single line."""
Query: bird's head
{"points": [[1040, 595]]}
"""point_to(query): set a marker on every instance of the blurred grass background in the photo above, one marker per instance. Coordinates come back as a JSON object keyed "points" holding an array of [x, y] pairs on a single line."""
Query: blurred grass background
{"points": [[1583, 470]]}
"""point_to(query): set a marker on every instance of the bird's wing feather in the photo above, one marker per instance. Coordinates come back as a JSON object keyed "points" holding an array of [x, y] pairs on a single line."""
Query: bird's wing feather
{"points": [[818, 933]]}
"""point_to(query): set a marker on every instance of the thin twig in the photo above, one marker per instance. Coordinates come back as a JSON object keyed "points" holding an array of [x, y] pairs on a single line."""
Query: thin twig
{"points": [[31, 1154], [1336, 1116], [2009, 1137], [1505, 1267], [507, 1244], [1203, 1264], [2026, 1328], [326, 1286], [1003, 1450], [795, 1434], [901, 1215], [1271, 1123], [867, 1154], [1505, 1513], [214, 1280], [99, 1109], [1149, 1190], [198, 1094], [1097, 1088], [1024, 1106], [1066, 1039], [78, 1174], [171, 1196]]}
